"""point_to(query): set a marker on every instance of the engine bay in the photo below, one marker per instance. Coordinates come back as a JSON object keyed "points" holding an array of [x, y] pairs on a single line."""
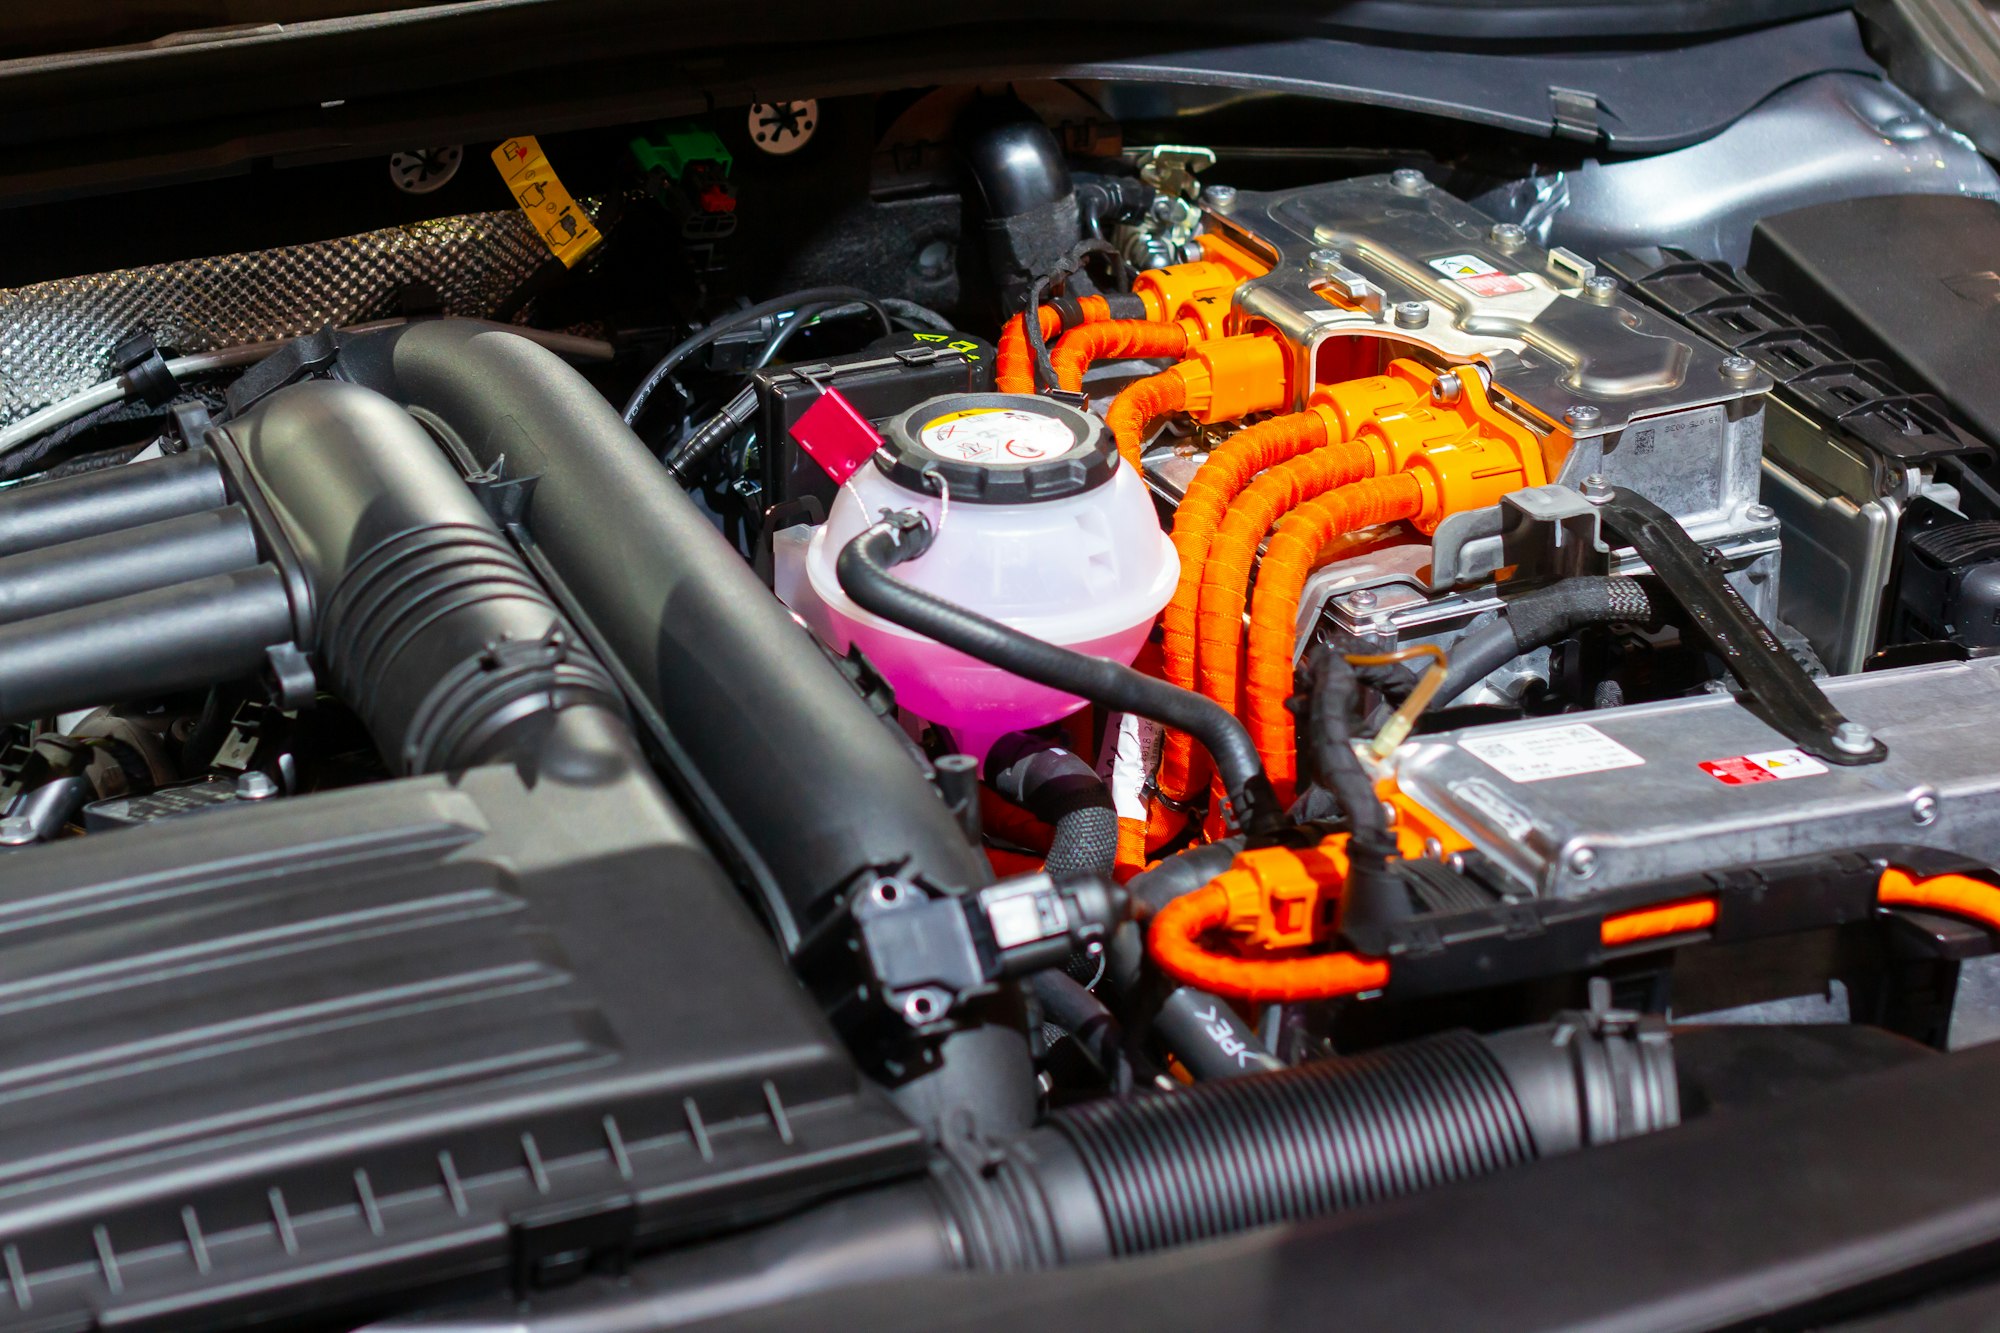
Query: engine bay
{"points": [[638, 720]]}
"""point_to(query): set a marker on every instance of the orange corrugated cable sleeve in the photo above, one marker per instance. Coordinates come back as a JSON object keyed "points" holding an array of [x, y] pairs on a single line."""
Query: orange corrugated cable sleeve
{"points": [[1111, 339], [1013, 365], [1219, 480], [1225, 575], [1175, 941], [1142, 403], [1274, 609]]}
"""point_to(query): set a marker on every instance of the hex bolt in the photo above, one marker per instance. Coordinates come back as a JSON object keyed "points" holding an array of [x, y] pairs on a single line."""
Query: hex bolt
{"points": [[1447, 388], [17, 831], [255, 786], [1582, 862], [1924, 810], [1853, 738], [1583, 416], [1760, 513], [1595, 488], [1412, 314], [1325, 261], [1600, 289], [1507, 237], [1218, 198], [1738, 369], [1408, 180]]}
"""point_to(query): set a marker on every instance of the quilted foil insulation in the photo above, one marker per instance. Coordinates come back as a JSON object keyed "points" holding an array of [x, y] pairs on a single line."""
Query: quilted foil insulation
{"points": [[56, 337]]}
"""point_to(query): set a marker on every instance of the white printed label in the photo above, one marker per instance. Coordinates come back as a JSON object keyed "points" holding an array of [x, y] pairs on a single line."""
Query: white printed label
{"points": [[1551, 752], [997, 436], [1131, 754], [1482, 796], [1478, 276]]}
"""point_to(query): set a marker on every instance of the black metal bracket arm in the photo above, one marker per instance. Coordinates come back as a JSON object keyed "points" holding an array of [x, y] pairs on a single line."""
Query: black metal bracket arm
{"points": [[1774, 685]]}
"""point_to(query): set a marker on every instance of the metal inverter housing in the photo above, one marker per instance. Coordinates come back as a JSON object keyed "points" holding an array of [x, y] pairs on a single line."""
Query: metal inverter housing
{"points": [[1578, 806]]}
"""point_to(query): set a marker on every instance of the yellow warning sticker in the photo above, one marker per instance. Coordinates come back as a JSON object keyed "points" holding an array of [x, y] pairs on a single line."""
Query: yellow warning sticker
{"points": [[559, 218]]}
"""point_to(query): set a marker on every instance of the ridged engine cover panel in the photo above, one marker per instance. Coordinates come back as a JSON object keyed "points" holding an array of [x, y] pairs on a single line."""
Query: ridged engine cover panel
{"points": [[414, 1019]]}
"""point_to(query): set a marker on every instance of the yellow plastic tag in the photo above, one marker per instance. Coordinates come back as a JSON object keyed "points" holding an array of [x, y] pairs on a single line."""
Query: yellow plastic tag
{"points": [[561, 221]]}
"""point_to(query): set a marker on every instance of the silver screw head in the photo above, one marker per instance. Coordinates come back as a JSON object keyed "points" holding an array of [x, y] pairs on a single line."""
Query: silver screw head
{"points": [[1582, 862], [1325, 261], [1412, 314], [1447, 388], [255, 786], [1583, 416], [1760, 513], [1365, 597], [1218, 198], [1738, 369], [1408, 180], [1853, 738], [17, 831], [1924, 810], [1600, 289], [1507, 237]]}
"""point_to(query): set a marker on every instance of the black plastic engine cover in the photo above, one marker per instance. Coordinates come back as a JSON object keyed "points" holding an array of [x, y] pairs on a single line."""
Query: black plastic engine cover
{"points": [[467, 1034]]}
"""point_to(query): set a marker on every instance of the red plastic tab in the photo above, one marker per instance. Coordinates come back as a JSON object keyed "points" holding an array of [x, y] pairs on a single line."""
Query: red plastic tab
{"points": [[835, 435]]}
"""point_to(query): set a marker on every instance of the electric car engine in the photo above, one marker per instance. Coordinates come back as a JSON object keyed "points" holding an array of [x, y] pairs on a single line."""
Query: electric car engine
{"points": [[687, 711]]}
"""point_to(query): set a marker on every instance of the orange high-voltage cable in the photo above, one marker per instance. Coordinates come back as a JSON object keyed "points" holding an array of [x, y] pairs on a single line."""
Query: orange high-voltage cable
{"points": [[1232, 555], [1014, 365], [1109, 340], [1281, 580], [1219, 480]]}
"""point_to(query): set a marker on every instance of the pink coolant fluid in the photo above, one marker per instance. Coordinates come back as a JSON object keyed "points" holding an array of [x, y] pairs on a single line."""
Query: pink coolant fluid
{"points": [[1038, 525]]}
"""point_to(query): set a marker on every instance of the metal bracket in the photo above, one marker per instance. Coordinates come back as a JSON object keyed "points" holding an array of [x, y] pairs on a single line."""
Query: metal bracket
{"points": [[1774, 685], [1574, 114]]}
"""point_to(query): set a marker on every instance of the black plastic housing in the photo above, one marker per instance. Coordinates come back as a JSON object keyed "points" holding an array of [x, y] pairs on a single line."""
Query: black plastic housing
{"points": [[429, 1035], [1905, 278]]}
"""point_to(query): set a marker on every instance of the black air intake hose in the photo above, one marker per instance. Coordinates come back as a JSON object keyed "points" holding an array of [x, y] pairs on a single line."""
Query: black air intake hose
{"points": [[794, 770], [1115, 1179], [427, 621], [773, 752]]}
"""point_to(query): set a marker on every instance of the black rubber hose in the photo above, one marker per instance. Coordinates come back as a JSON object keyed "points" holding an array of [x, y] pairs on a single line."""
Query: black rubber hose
{"points": [[863, 571], [1204, 1033], [1068, 1003], [1374, 897], [1540, 618], [1063, 791]]}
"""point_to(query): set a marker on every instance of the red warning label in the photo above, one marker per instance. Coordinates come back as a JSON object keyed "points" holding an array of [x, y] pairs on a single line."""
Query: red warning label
{"points": [[1769, 766]]}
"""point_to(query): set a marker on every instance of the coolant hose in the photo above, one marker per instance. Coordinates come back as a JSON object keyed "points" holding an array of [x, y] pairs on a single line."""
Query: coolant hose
{"points": [[1064, 792], [863, 572], [1540, 618]]}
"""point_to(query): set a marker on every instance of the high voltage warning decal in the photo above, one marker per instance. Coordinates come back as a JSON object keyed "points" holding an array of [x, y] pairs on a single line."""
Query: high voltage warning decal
{"points": [[560, 220], [1477, 276]]}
